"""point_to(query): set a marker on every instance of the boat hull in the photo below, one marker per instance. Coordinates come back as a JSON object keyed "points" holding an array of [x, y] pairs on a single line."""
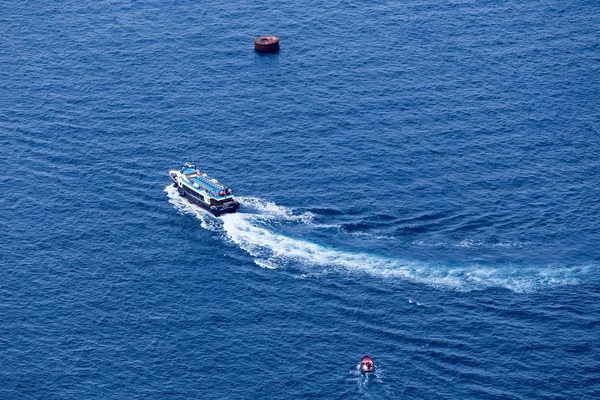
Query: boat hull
{"points": [[216, 211], [367, 365]]}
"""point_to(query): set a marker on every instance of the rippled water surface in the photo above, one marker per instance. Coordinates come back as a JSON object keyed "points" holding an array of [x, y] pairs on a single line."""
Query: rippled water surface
{"points": [[419, 182]]}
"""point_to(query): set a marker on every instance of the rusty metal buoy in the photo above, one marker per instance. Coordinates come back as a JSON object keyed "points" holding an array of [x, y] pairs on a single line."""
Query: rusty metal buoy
{"points": [[266, 44]]}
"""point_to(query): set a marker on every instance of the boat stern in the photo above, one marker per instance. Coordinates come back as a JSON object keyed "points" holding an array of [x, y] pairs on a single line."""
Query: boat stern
{"points": [[229, 208]]}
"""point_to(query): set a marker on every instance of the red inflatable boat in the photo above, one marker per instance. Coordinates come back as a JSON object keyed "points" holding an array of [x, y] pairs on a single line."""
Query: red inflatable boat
{"points": [[366, 364]]}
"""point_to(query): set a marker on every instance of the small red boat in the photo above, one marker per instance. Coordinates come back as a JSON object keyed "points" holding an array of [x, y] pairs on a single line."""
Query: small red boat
{"points": [[366, 364]]}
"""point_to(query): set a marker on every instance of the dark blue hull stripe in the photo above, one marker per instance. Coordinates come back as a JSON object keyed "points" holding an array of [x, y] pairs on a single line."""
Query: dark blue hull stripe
{"points": [[218, 211]]}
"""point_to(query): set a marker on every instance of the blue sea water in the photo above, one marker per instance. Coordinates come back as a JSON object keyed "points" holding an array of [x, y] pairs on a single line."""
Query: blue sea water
{"points": [[419, 182]]}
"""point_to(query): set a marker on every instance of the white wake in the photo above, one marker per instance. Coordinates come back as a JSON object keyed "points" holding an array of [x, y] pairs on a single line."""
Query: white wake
{"points": [[251, 232]]}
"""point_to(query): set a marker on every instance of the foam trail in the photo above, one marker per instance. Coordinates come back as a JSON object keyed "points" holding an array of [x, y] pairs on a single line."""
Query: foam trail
{"points": [[271, 250], [365, 382], [272, 211], [262, 243]]}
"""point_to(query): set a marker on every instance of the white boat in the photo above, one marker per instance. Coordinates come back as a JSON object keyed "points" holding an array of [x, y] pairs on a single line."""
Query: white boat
{"points": [[202, 190]]}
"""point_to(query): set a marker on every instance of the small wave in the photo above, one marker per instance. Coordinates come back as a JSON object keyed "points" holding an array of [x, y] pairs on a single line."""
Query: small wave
{"points": [[469, 243], [372, 236], [327, 211], [364, 225], [504, 243], [311, 275], [327, 226], [264, 263], [428, 244]]}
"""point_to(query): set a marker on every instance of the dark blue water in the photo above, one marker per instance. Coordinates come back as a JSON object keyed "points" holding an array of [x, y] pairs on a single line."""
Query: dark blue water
{"points": [[419, 182]]}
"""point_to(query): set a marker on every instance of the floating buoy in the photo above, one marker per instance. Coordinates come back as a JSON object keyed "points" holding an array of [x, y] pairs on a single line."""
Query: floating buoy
{"points": [[266, 44]]}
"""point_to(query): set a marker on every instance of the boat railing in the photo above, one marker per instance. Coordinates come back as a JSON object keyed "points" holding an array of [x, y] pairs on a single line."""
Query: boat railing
{"points": [[207, 181]]}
